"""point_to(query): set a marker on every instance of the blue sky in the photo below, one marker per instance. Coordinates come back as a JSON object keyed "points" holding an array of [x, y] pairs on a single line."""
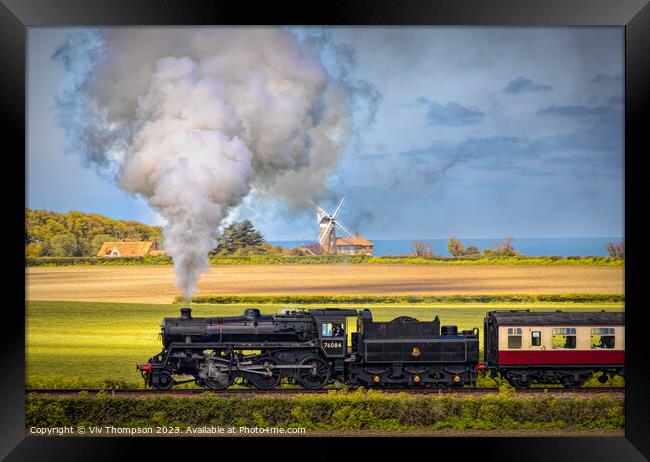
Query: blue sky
{"points": [[480, 132]]}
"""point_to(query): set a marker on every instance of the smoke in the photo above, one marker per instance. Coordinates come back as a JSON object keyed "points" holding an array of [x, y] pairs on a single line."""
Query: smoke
{"points": [[432, 174], [359, 219], [193, 120], [429, 171]]}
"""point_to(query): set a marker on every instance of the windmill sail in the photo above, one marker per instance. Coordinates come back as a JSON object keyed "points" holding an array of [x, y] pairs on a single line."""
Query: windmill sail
{"points": [[328, 223], [345, 230]]}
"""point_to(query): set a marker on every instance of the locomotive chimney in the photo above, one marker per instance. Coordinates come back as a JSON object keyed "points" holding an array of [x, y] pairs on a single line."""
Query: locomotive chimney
{"points": [[186, 313]]}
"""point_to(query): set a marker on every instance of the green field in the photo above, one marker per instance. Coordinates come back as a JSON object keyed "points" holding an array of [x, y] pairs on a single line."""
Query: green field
{"points": [[77, 344]]}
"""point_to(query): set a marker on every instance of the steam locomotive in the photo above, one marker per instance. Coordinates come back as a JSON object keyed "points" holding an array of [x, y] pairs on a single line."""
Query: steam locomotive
{"points": [[314, 348]]}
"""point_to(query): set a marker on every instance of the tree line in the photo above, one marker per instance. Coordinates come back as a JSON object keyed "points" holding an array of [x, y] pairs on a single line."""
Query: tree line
{"points": [[75, 234], [503, 248], [456, 248], [78, 234]]}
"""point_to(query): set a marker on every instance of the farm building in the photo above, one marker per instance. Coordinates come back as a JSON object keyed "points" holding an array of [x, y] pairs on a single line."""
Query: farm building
{"points": [[129, 249], [357, 245]]}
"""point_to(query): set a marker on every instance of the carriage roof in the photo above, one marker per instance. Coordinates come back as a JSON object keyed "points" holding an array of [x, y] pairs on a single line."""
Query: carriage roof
{"points": [[541, 318]]}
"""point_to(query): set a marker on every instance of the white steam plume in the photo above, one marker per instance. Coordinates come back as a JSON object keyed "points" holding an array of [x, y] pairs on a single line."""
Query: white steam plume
{"points": [[193, 119]]}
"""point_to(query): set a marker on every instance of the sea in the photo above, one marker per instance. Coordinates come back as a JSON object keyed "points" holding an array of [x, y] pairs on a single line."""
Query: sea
{"points": [[532, 246]]}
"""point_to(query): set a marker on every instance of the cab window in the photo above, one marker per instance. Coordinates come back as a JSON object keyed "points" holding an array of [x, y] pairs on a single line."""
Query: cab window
{"points": [[536, 338], [326, 329], [603, 337], [332, 329], [564, 337], [514, 337]]}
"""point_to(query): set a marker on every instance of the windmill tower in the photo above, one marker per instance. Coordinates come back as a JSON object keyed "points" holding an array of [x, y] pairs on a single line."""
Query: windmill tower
{"points": [[328, 223]]}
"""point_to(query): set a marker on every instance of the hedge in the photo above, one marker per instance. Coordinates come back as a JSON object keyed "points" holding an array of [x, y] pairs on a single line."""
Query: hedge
{"points": [[336, 411], [404, 299], [330, 259], [105, 261]]}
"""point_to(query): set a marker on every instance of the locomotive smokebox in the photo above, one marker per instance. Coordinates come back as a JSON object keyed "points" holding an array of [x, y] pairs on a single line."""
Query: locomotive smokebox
{"points": [[251, 314], [186, 313]]}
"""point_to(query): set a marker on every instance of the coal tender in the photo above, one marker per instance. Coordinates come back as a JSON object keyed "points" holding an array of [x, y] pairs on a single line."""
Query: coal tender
{"points": [[311, 349], [408, 352]]}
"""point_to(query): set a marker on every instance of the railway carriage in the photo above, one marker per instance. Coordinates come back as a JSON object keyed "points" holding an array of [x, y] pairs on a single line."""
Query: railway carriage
{"points": [[528, 347]]}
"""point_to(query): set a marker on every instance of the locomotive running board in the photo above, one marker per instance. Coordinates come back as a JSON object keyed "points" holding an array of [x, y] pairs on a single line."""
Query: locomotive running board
{"points": [[239, 346]]}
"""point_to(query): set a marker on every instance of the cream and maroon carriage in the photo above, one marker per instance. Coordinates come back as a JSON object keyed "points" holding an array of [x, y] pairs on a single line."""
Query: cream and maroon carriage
{"points": [[554, 347]]}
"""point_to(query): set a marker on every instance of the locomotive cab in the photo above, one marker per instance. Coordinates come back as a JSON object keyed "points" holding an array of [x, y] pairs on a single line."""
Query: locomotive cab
{"points": [[332, 331]]}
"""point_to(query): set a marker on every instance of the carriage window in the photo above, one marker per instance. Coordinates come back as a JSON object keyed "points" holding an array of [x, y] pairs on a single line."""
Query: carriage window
{"points": [[514, 337], [602, 337], [564, 337], [535, 338]]}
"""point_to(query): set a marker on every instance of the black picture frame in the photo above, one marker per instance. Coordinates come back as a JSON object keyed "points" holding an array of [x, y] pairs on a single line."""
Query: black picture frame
{"points": [[634, 15]]}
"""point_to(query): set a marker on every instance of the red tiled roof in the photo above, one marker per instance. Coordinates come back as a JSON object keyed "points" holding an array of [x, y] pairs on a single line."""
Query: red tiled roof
{"points": [[126, 249], [357, 240]]}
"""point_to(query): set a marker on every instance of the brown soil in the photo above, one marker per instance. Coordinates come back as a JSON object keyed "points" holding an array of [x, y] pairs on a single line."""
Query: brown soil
{"points": [[155, 284]]}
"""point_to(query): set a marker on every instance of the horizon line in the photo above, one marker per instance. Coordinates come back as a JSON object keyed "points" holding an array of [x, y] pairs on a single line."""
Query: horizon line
{"points": [[461, 238]]}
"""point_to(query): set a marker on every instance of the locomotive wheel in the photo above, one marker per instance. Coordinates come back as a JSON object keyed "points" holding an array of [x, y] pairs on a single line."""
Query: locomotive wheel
{"points": [[165, 381], [220, 382], [269, 380], [316, 376]]}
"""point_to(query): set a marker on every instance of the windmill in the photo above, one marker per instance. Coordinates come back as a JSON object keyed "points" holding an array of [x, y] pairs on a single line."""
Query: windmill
{"points": [[328, 223]]}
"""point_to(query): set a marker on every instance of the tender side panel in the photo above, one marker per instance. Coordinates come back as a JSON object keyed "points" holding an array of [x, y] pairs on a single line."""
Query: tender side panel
{"points": [[415, 351]]}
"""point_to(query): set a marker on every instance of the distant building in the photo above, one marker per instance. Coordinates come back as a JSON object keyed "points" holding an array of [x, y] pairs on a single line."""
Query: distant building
{"points": [[357, 245], [129, 249], [354, 244]]}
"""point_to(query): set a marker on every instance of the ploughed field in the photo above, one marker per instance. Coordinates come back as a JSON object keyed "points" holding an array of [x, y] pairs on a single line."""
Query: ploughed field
{"points": [[90, 344], [155, 284]]}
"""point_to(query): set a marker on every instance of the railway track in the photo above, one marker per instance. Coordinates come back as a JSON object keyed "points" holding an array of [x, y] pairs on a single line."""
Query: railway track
{"points": [[248, 392]]}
